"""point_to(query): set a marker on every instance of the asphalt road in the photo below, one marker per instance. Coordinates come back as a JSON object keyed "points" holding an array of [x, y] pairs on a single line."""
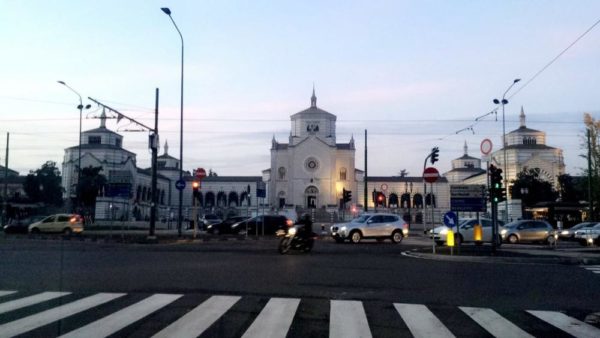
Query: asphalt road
{"points": [[376, 274]]}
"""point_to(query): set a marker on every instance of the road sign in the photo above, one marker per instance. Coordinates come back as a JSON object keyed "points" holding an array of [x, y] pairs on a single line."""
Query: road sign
{"points": [[384, 187], [261, 189], [180, 184], [450, 219], [467, 197], [200, 173], [430, 174], [486, 146]]}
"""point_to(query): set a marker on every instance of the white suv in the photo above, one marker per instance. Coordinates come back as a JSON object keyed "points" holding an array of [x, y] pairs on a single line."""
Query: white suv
{"points": [[467, 229], [367, 225]]}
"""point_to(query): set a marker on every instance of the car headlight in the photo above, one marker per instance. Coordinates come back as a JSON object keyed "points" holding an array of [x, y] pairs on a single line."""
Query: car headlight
{"points": [[503, 232], [564, 232], [444, 232], [405, 232], [292, 231], [343, 228]]}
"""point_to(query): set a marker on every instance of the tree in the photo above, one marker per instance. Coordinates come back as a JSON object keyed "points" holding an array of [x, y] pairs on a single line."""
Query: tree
{"points": [[591, 146], [538, 190], [44, 185], [569, 189], [212, 173], [91, 183]]}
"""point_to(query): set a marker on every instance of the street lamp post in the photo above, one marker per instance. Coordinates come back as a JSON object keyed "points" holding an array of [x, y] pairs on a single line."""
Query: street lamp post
{"points": [[504, 102], [167, 11], [524, 192], [409, 192], [80, 107]]}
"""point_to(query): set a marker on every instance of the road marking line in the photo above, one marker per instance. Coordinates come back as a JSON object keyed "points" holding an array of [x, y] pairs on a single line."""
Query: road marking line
{"points": [[274, 320], [421, 322], [5, 293], [348, 319], [568, 324], [26, 301], [120, 319], [493, 323], [195, 322], [29, 323]]}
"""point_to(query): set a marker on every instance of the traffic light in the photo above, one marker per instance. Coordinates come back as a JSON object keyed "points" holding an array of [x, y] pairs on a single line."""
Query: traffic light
{"points": [[346, 195], [434, 154], [497, 192], [195, 188]]}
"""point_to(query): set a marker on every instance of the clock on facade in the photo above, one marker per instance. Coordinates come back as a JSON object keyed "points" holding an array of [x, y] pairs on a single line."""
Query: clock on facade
{"points": [[311, 164]]}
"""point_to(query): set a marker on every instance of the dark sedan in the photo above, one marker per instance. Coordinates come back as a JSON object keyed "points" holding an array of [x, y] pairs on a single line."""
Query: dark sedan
{"points": [[225, 226], [20, 226], [263, 224]]}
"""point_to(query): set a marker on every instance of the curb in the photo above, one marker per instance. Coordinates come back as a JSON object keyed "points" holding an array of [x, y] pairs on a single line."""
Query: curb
{"points": [[532, 259]]}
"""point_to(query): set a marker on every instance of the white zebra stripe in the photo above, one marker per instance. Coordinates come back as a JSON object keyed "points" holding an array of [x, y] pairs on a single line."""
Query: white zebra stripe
{"points": [[568, 324], [347, 318], [6, 293], [495, 324], [29, 323], [121, 319], [274, 320], [195, 322], [31, 300], [421, 322]]}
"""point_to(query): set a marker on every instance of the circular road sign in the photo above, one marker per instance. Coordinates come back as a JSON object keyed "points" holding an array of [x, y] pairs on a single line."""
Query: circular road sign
{"points": [[200, 173], [384, 187], [180, 184], [486, 146], [431, 174]]}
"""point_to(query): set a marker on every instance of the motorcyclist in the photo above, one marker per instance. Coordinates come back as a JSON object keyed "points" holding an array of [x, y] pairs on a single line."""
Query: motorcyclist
{"points": [[306, 231]]}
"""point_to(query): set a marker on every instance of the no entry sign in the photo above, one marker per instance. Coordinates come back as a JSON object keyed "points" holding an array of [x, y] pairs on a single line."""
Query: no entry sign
{"points": [[430, 174]]}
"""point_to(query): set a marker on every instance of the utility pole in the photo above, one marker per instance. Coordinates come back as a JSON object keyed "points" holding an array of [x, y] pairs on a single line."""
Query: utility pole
{"points": [[5, 213], [366, 206], [589, 160]]}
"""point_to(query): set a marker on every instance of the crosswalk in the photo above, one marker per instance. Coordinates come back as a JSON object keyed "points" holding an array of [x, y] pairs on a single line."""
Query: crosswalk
{"points": [[592, 268], [105, 314]]}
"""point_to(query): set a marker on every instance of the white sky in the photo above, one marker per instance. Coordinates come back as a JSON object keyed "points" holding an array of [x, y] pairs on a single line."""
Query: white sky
{"points": [[411, 72]]}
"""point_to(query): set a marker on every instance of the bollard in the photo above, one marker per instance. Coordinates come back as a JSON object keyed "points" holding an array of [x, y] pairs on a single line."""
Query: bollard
{"points": [[450, 241], [477, 233]]}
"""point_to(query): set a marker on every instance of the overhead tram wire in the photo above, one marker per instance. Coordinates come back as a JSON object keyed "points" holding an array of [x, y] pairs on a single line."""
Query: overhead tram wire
{"points": [[532, 78]]}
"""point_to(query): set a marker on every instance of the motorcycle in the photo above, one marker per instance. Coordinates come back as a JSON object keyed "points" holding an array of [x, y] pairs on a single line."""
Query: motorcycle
{"points": [[292, 241]]}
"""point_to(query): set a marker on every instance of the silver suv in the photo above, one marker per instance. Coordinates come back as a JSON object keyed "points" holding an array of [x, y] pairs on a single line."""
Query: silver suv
{"points": [[368, 225]]}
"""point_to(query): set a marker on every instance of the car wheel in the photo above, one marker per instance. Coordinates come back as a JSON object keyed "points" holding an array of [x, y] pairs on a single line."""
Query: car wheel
{"points": [[355, 236], [397, 237], [35, 231], [550, 240], [339, 240], [498, 241], [513, 239], [67, 231], [582, 242]]}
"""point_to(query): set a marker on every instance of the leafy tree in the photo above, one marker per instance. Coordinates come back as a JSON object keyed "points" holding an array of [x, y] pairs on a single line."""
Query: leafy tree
{"points": [[44, 185], [91, 183], [212, 173], [593, 150], [538, 190], [569, 189]]}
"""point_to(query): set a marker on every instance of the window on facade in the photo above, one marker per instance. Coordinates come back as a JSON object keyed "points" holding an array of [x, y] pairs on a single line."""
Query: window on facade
{"points": [[94, 139], [118, 143], [529, 140], [281, 172], [342, 174]]}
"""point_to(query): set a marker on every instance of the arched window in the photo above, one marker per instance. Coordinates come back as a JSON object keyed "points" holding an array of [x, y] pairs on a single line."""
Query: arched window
{"points": [[281, 171], [221, 199], [393, 203], [343, 172], [233, 199], [405, 200], [210, 199], [418, 201], [138, 193], [430, 200]]}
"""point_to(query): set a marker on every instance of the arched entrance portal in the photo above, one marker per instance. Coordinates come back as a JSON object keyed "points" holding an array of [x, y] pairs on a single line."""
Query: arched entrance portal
{"points": [[311, 194]]}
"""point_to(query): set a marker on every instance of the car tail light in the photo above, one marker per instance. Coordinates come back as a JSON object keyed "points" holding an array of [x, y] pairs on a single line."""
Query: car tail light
{"points": [[289, 222]]}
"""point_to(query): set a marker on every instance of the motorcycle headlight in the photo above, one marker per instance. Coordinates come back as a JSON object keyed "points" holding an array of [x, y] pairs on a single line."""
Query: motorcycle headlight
{"points": [[292, 231]]}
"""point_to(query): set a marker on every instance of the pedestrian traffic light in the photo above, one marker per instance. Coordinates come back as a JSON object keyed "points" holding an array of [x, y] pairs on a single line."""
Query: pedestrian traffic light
{"points": [[497, 193], [346, 195], [434, 154]]}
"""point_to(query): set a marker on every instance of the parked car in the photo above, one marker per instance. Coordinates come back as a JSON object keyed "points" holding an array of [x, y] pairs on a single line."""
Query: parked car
{"points": [[529, 231], [61, 223], [209, 219], [588, 235], [467, 231], [569, 234], [369, 225], [225, 226], [267, 224], [20, 226]]}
